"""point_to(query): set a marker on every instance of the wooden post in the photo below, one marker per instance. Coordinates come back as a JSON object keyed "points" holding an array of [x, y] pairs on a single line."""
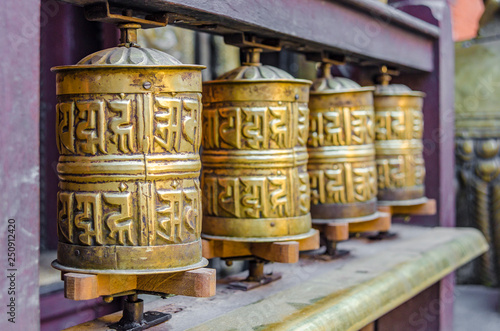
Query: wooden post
{"points": [[19, 155], [439, 123], [439, 118]]}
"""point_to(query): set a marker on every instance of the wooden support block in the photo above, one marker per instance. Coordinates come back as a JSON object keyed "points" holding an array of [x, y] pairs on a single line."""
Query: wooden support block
{"points": [[193, 283], [196, 283], [309, 243], [428, 208], [382, 224], [279, 251], [336, 231], [225, 249], [385, 209], [113, 284], [86, 286], [80, 286], [208, 249], [283, 252]]}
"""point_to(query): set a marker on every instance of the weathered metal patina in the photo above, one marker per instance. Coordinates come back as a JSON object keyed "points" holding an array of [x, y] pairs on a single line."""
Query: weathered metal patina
{"points": [[341, 150], [128, 129], [254, 180], [398, 144]]}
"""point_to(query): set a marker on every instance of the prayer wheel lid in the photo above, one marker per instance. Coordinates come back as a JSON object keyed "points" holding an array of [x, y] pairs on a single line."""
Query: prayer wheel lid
{"points": [[123, 55], [326, 83], [396, 90], [386, 89], [252, 70], [255, 72], [128, 53]]}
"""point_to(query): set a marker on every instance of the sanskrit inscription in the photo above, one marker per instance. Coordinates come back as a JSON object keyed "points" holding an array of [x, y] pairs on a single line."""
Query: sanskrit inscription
{"points": [[255, 128], [341, 126]]}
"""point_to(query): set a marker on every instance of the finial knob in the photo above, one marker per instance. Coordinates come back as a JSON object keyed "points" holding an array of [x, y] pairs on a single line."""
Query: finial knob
{"points": [[129, 34]]}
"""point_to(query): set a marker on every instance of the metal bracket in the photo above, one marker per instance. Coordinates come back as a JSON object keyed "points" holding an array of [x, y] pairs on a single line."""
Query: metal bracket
{"points": [[326, 57], [134, 318], [256, 277], [104, 12], [244, 40]]}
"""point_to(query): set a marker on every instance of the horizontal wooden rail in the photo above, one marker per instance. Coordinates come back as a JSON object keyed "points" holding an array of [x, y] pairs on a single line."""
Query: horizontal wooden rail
{"points": [[362, 31]]}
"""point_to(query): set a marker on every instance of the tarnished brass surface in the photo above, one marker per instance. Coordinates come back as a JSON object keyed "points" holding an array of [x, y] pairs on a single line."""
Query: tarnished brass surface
{"points": [[341, 151], [398, 143], [128, 134], [254, 179]]}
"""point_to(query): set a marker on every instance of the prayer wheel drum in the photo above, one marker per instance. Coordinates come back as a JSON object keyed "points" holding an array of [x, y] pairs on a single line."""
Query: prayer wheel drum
{"points": [[254, 178], [398, 144], [128, 129], [341, 150]]}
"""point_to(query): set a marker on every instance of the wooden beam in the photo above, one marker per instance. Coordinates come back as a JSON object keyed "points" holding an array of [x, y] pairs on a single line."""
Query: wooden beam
{"points": [[310, 31]]}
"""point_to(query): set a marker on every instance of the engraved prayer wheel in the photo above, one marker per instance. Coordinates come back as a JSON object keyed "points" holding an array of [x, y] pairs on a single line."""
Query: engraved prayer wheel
{"points": [[341, 166], [128, 129], [254, 179], [398, 143]]}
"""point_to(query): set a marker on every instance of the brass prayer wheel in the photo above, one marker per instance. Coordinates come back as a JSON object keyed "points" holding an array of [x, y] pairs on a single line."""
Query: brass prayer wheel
{"points": [[398, 143], [254, 178], [341, 149], [128, 129]]}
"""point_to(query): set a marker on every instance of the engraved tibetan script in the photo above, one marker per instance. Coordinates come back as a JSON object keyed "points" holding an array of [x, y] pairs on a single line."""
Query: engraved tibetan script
{"points": [[252, 197], [401, 124], [343, 183], [341, 126], [255, 128], [95, 127], [178, 215], [176, 124], [121, 126], [95, 218]]}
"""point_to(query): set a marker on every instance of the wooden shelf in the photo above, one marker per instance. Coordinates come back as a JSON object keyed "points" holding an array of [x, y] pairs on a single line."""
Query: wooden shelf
{"points": [[313, 291]]}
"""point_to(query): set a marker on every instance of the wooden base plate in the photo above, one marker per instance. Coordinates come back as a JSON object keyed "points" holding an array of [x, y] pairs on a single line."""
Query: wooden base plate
{"points": [[420, 207], [195, 283], [279, 251]]}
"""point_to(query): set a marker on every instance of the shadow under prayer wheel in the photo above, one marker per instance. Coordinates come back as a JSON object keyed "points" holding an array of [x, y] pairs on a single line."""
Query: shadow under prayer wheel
{"points": [[398, 144], [128, 129], [254, 178], [341, 150]]}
